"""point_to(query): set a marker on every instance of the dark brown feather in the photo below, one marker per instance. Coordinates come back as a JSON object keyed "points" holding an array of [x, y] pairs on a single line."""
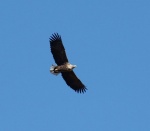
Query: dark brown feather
{"points": [[72, 80], [58, 49]]}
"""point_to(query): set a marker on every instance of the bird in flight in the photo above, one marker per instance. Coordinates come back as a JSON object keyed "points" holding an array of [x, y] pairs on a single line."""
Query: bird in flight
{"points": [[63, 66]]}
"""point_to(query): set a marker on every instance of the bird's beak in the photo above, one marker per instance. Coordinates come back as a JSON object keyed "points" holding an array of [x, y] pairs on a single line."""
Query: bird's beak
{"points": [[74, 66]]}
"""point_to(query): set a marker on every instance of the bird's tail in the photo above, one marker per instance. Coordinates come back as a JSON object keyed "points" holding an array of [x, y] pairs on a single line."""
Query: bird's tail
{"points": [[52, 70]]}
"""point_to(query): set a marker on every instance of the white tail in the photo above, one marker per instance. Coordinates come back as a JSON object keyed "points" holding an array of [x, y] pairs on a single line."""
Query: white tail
{"points": [[52, 70]]}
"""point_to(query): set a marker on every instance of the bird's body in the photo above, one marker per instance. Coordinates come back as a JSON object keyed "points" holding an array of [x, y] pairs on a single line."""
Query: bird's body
{"points": [[63, 66]]}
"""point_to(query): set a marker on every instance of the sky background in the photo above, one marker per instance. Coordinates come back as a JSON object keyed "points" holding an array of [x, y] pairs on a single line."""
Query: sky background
{"points": [[109, 41]]}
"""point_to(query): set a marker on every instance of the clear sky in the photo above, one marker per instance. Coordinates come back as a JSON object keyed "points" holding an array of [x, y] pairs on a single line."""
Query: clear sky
{"points": [[109, 41]]}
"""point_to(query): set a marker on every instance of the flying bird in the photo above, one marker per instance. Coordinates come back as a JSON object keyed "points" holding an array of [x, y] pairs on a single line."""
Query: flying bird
{"points": [[63, 66]]}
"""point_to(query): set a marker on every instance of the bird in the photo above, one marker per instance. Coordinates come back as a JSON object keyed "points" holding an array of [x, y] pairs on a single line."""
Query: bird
{"points": [[63, 66]]}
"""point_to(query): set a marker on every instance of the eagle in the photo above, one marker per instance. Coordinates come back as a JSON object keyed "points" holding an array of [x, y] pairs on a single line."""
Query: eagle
{"points": [[63, 66]]}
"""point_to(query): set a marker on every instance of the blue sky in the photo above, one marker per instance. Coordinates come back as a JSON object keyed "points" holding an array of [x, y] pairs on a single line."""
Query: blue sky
{"points": [[109, 41]]}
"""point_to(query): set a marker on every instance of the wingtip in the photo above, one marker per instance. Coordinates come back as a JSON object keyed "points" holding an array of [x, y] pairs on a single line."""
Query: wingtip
{"points": [[82, 90], [55, 35]]}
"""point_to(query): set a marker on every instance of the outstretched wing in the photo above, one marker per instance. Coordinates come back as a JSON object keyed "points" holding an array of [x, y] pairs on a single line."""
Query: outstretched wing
{"points": [[58, 49], [72, 81]]}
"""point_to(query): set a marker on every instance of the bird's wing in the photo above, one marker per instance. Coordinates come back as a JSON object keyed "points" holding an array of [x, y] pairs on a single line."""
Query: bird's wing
{"points": [[72, 80], [58, 49]]}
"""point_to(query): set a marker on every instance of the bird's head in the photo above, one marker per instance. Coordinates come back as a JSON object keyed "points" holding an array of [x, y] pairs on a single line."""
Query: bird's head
{"points": [[71, 66]]}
